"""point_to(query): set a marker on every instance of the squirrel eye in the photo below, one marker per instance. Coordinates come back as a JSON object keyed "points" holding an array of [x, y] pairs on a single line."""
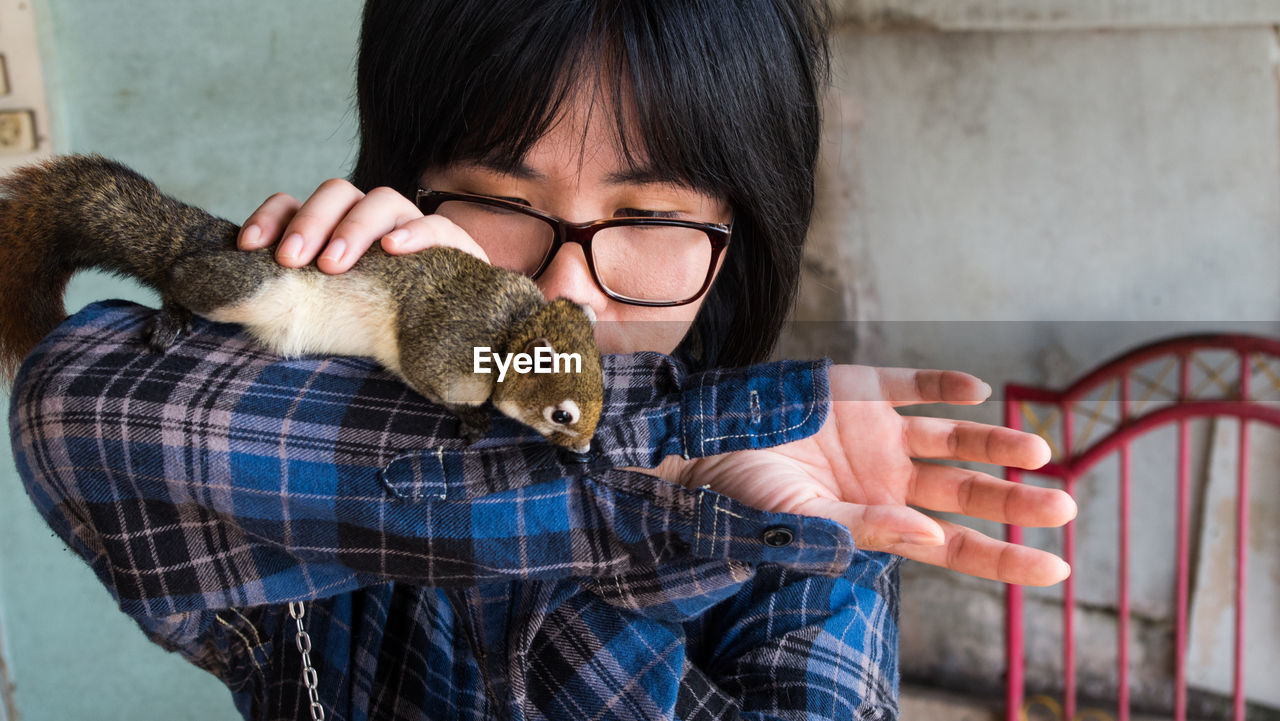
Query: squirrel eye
{"points": [[565, 413]]}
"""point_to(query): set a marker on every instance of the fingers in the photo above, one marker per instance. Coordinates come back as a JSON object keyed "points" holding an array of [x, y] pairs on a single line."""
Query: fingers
{"points": [[971, 493], [312, 226], [365, 221], [926, 437], [876, 526], [336, 226], [302, 229], [906, 386], [264, 226], [967, 551], [428, 231], [908, 533]]}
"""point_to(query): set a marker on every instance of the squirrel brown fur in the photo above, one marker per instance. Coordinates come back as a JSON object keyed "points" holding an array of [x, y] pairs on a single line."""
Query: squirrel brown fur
{"points": [[421, 316]]}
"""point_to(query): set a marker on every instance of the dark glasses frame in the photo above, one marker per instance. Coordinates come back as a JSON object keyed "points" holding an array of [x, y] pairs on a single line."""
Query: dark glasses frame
{"points": [[429, 201]]}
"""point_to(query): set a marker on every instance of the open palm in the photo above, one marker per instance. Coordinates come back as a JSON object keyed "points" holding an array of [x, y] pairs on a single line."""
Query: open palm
{"points": [[863, 469]]}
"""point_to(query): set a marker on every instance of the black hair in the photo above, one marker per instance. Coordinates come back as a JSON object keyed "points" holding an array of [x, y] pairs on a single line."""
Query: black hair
{"points": [[722, 94]]}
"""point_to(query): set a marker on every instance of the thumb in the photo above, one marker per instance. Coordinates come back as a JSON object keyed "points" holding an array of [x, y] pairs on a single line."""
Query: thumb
{"points": [[877, 526]]}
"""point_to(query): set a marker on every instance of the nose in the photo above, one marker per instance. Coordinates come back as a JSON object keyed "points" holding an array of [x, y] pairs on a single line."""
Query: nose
{"points": [[569, 277]]}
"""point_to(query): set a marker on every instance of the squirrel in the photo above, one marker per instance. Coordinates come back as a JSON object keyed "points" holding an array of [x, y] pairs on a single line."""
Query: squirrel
{"points": [[425, 317]]}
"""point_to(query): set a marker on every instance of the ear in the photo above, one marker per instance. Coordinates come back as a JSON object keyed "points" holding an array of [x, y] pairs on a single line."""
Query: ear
{"points": [[589, 313], [533, 344]]}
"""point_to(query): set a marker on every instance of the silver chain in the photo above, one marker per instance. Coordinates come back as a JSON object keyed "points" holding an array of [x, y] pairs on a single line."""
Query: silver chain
{"points": [[309, 677]]}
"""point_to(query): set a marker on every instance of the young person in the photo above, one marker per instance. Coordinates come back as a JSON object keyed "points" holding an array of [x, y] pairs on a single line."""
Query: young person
{"points": [[214, 487]]}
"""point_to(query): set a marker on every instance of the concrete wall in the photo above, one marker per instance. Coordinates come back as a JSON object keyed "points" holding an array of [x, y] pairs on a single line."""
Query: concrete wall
{"points": [[1003, 184], [1022, 190]]}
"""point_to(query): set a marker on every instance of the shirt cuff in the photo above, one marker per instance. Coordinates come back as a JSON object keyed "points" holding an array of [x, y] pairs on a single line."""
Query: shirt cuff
{"points": [[652, 411], [649, 414]]}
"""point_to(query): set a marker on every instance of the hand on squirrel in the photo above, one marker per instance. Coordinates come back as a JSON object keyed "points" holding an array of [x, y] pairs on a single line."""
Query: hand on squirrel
{"points": [[862, 470], [345, 222]]}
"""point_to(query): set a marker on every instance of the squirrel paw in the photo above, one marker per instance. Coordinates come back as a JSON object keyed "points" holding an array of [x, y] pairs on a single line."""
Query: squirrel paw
{"points": [[475, 423], [165, 327]]}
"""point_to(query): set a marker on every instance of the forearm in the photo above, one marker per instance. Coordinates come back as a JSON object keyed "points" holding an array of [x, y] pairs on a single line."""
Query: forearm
{"points": [[220, 476]]}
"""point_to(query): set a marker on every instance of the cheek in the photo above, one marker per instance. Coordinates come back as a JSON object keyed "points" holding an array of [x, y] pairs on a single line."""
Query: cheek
{"points": [[630, 329], [625, 328]]}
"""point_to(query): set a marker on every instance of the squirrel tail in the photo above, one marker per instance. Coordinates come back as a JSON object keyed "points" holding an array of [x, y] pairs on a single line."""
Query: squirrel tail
{"points": [[33, 273], [82, 211]]}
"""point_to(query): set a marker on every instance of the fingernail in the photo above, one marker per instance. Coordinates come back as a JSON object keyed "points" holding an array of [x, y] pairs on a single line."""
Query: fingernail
{"points": [[335, 249], [921, 539], [291, 248], [1064, 570], [250, 236], [396, 237]]}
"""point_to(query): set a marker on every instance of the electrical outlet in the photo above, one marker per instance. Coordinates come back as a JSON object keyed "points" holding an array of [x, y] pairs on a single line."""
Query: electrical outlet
{"points": [[17, 131], [25, 132]]}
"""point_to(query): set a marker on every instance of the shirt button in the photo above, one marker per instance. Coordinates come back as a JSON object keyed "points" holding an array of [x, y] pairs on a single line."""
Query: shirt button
{"points": [[778, 536], [573, 458]]}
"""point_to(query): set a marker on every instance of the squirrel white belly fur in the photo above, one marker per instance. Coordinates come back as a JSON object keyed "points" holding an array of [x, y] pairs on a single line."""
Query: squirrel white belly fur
{"points": [[420, 316], [299, 313]]}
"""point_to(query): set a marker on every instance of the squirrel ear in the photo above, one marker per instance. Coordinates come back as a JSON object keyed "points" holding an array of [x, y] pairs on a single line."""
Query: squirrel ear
{"points": [[589, 312], [531, 345]]}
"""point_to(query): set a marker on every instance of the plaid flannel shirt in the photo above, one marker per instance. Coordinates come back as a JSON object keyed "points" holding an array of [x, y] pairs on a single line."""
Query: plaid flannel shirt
{"points": [[209, 486]]}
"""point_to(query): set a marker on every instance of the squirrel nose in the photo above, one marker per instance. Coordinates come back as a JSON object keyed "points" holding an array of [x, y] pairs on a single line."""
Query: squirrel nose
{"points": [[569, 277]]}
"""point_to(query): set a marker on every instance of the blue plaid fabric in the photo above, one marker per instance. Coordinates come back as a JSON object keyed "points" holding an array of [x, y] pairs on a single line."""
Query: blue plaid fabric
{"points": [[209, 486]]}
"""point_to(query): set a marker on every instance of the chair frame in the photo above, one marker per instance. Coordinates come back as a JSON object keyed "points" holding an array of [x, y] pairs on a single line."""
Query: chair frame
{"points": [[1216, 396]]}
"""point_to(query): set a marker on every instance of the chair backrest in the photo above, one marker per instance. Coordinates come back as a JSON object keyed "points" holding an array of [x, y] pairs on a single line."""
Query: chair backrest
{"points": [[1163, 383]]}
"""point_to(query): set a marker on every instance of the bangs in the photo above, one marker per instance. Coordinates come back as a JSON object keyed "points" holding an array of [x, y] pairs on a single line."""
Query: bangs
{"points": [[510, 91], [665, 71], [719, 95], [528, 87]]}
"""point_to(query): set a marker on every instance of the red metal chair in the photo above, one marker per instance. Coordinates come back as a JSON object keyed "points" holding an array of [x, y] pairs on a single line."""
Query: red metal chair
{"points": [[1235, 376]]}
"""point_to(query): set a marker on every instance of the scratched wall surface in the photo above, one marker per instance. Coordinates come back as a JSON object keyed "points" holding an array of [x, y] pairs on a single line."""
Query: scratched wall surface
{"points": [[222, 104], [1024, 203], [1209, 661], [992, 201], [1019, 15]]}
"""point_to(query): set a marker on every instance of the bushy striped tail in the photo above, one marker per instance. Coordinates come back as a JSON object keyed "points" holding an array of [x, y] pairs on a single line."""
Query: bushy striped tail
{"points": [[33, 274], [85, 211]]}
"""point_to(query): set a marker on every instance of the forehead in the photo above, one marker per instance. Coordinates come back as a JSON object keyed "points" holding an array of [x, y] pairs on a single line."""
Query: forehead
{"points": [[595, 131], [592, 124]]}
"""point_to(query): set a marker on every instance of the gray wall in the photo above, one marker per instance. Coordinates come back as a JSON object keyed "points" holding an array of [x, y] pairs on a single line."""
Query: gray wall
{"points": [[1023, 194], [997, 191]]}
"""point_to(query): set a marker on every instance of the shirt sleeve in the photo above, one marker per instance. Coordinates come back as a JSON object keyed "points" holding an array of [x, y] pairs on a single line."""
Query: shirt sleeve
{"points": [[216, 475], [796, 646], [759, 640], [777, 645]]}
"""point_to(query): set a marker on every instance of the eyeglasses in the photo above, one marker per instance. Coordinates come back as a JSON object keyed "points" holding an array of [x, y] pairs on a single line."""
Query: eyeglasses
{"points": [[639, 261]]}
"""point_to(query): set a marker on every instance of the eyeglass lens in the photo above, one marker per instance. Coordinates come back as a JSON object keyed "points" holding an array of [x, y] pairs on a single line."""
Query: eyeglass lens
{"points": [[644, 262]]}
